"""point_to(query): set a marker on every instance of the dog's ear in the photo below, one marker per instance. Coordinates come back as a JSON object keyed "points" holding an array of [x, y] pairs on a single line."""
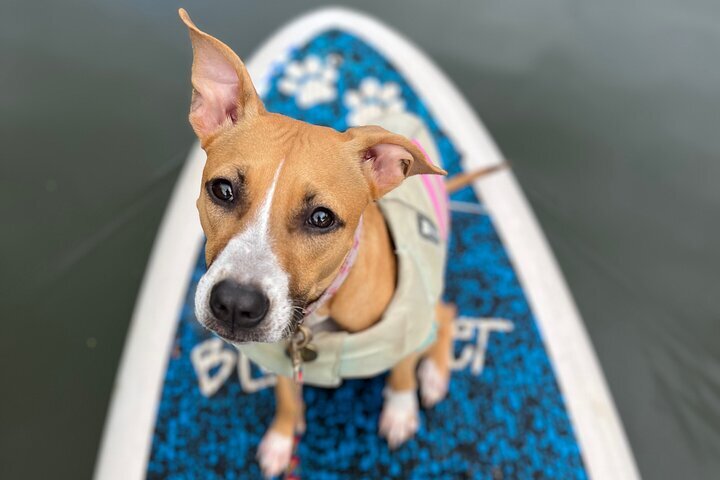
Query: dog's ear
{"points": [[223, 93], [387, 158]]}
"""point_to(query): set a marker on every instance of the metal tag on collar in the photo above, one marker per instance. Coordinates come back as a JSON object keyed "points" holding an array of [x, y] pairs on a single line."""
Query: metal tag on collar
{"points": [[300, 350]]}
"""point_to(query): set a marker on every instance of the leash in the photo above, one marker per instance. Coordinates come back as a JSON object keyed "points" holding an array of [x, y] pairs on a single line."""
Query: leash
{"points": [[299, 351]]}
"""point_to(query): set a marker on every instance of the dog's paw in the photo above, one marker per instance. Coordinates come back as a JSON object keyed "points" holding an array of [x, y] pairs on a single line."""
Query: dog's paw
{"points": [[399, 419], [274, 453], [433, 383]]}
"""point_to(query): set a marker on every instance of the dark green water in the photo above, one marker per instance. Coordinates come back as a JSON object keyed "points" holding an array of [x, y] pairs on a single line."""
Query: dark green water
{"points": [[609, 111]]}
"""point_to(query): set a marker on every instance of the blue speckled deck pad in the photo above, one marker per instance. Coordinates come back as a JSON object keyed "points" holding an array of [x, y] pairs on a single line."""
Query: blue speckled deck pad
{"points": [[504, 418]]}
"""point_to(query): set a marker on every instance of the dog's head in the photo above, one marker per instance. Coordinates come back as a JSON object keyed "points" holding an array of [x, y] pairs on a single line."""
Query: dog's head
{"points": [[280, 199]]}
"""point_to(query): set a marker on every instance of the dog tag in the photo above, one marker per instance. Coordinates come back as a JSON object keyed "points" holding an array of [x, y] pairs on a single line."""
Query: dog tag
{"points": [[308, 353], [300, 350]]}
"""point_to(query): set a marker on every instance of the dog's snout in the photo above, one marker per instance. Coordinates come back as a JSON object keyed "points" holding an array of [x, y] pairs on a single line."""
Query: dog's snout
{"points": [[238, 305]]}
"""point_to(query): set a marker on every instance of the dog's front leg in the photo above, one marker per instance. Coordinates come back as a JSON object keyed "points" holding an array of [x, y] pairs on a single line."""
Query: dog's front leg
{"points": [[275, 449], [399, 419], [434, 371]]}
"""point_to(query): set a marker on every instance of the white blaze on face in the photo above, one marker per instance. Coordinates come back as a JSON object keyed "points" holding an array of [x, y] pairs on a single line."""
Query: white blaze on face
{"points": [[248, 258]]}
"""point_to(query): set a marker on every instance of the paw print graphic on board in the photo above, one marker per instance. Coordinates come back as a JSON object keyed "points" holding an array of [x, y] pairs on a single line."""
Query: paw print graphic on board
{"points": [[371, 100], [311, 81]]}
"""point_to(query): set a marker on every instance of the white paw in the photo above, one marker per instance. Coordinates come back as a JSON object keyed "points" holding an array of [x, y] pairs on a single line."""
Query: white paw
{"points": [[399, 419], [433, 383], [274, 453]]}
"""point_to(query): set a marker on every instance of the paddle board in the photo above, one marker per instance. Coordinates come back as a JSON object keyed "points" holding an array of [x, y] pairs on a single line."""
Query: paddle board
{"points": [[527, 397]]}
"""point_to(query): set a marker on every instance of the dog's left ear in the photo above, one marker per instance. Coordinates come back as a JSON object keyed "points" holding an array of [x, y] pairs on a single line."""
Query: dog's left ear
{"points": [[387, 158], [223, 93]]}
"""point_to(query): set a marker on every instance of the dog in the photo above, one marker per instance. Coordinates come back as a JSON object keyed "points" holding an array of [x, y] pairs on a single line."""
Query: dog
{"points": [[297, 219]]}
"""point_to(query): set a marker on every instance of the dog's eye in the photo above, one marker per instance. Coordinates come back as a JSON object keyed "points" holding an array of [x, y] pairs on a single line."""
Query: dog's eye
{"points": [[321, 218], [222, 190]]}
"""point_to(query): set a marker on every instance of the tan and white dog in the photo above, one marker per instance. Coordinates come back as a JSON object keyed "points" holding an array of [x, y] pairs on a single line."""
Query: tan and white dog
{"points": [[280, 203]]}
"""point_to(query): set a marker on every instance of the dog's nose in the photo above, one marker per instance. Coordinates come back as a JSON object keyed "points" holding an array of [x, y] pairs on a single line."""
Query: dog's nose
{"points": [[242, 306]]}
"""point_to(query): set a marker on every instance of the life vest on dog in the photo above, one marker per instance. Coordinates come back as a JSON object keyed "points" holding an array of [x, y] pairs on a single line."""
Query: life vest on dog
{"points": [[418, 220]]}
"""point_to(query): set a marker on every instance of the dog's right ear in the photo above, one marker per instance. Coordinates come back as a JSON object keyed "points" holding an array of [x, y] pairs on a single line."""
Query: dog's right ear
{"points": [[387, 158], [223, 93]]}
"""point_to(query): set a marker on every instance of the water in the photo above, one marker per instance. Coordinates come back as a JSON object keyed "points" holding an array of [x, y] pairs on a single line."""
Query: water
{"points": [[608, 112]]}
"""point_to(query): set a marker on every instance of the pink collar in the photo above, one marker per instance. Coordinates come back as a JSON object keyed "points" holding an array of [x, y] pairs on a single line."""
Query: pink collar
{"points": [[341, 276]]}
